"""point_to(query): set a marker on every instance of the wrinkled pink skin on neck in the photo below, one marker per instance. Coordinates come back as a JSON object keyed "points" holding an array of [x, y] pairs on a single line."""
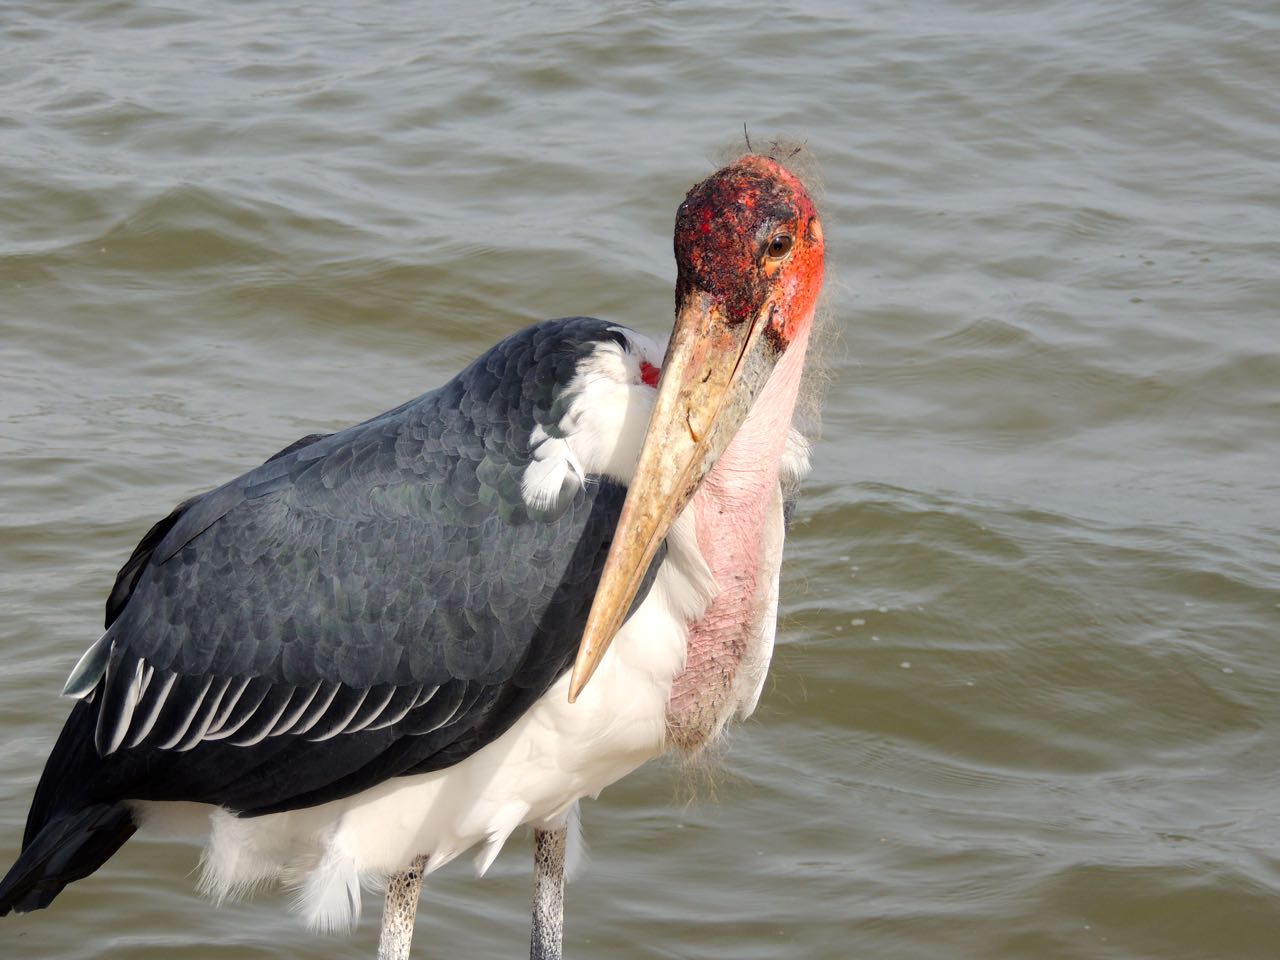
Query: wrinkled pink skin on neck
{"points": [[732, 506], [722, 231]]}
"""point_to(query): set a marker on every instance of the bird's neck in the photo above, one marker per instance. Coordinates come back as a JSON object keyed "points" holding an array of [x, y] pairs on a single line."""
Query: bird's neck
{"points": [[732, 507]]}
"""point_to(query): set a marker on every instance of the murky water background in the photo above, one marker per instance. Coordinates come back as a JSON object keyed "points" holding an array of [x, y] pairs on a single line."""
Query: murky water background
{"points": [[1025, 700]]}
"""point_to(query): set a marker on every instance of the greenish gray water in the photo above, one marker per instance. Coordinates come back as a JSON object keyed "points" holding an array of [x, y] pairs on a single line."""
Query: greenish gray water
{"points": [[1024, 700]]}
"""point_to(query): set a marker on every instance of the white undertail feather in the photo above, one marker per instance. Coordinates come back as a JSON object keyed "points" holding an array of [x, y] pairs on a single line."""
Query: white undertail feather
{"points": [[329, 895], [555, 754], [575, 848]]}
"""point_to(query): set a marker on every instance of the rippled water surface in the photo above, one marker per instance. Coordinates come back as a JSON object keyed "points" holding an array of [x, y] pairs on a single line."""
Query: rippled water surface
{"points": [[1024, 704]]}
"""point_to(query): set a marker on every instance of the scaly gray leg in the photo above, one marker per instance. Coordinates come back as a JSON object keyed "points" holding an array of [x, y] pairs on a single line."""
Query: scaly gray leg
{"points": [[399, 911], [548, 894]]}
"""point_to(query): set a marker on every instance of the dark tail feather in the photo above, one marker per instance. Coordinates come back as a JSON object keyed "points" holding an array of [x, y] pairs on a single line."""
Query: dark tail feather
{"points": [[69, 847]]}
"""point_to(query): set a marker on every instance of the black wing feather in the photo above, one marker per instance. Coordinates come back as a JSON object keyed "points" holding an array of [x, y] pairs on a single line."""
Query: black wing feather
{"points": [[366, 604]]}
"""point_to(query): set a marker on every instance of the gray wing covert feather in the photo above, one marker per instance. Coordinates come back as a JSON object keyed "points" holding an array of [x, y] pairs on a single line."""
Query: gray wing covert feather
{"points": [[376, 578]]}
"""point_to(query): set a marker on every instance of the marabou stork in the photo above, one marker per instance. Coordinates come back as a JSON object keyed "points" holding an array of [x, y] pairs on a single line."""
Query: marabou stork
{"points": [[357, 661]]}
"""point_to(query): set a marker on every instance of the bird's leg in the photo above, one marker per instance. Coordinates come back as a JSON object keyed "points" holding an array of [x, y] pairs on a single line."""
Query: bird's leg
{"points": [[548, 893], [400, 910]]}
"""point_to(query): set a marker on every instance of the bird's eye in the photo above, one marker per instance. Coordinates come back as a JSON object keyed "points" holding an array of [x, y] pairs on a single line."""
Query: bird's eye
{"points": [[779, 246]]}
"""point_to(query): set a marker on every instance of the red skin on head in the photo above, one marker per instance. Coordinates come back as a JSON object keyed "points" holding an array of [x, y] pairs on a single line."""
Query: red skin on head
{"points": [[723, 231]]}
